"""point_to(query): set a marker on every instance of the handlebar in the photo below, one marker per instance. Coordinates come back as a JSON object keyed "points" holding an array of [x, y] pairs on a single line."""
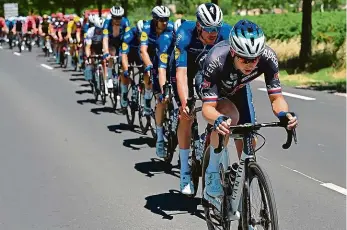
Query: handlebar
{"points": [[249, 128]]}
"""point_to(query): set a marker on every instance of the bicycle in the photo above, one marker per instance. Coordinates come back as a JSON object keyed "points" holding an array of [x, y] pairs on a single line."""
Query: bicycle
{"points": [[133, 90], [115, 93], [170, 123], [98, 79], [236, 181], [149, 122]]}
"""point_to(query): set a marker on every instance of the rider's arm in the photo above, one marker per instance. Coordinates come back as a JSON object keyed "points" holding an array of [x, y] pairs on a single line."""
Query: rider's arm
{"points": [[181, 65], [144, 47], [165, 42], [209, 89], [88, 41], [129, 36], [273, 85], [69, 29], [105, 33], [78, 32], [40, 29]]}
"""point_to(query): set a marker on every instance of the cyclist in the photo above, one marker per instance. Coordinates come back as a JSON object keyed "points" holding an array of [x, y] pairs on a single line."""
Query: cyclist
{"points": [[156, 42], [93, 43], [114, 28], [10, 25], [130, 54], [74, 34], [3, 29], [44, 31], [227, 71], [193, 41]]}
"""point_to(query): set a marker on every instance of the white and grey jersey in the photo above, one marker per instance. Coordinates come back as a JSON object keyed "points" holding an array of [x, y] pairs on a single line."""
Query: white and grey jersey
{"points": [[94, 36]]}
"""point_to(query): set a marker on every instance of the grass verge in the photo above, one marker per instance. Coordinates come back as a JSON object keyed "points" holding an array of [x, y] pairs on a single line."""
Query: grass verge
{"points": [[327, 79]]}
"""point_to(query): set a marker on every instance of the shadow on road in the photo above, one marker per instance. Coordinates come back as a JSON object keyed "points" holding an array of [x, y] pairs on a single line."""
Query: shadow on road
{"points": [[150, 142], [91, 101], [105, 109], [175, 203], [85, 85], [84, 91], [124, 127], [156, 166], [77, 79], [77, 75]]}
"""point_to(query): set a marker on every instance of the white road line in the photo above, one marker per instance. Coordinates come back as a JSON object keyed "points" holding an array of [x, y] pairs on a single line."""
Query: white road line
{"points": [[15, 53], [335, 188], [341, 94], [292, 95], [303, 174], [47, 66]]}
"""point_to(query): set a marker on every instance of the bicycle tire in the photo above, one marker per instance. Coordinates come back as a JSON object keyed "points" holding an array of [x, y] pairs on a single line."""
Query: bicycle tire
{"points": [[132, 104], [143, 125], [151, 119], [254, 170], [97, 85], [102, 86]]}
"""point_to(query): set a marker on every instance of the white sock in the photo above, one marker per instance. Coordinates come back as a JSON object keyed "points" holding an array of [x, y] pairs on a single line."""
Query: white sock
{"points": [[213, 165], [184, 156], [160, 135]]}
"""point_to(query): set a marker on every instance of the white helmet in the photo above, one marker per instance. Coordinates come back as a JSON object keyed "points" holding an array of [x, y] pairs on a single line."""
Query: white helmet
{"points": [[91, 18], [117, 11], [99, 22], [178, 23], [247, 39], [160, 12], [209, 14], [139, 26]]}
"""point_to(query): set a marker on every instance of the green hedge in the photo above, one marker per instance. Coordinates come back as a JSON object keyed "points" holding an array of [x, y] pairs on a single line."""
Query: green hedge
{"points": [[329, 27]]}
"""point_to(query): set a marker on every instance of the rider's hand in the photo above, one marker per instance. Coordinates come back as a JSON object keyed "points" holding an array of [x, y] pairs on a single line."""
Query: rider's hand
{"points": [[70, 40], [290, 117], [222, 124], [106, 56]]}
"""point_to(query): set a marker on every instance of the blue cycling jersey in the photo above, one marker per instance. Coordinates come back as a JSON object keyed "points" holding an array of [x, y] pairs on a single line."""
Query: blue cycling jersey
{"points": [[108, 28], [189, 48], [130, 40], [160, 45], [10, 24]]}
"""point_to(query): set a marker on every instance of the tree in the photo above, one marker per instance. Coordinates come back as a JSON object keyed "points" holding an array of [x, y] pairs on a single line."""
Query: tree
{"points": [[158, 2], [215, 2], [306, 34]]}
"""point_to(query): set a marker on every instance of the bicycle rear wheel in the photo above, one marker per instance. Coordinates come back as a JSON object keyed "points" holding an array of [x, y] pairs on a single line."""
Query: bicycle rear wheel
{"points": [[102, 86], [267, 217]]}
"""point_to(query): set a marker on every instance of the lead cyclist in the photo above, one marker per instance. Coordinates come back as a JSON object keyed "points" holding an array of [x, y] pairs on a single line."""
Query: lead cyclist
{"points": [[227, 100]]}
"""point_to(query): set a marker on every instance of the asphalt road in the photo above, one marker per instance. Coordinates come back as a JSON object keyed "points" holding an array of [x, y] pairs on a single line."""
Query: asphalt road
{"points": [[67, 163]]}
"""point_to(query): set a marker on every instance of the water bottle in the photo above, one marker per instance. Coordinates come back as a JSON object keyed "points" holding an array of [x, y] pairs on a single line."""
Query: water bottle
{"points": [[232, 174]]}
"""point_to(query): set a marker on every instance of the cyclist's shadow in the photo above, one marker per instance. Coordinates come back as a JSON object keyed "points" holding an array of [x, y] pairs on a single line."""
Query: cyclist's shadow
{"points": [[173, 201], [156, 166]]}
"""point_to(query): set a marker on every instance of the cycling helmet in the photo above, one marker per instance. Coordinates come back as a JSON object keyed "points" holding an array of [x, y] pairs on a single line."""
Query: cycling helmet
{"points": [[92, 18], [178, 23], [247, 39], [76, 19], [160, 12], [117, 11], [139, 26], [99, 22], [209, 14], [45, 16]]}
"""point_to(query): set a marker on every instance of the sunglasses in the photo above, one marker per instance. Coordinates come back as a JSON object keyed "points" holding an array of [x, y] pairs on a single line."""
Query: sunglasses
{"points": [[163, 19], [211, 29], [116, 18], [248, 60]]}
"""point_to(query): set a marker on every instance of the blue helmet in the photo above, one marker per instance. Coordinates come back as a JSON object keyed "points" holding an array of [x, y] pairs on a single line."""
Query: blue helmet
{"points": [[247, 39]]}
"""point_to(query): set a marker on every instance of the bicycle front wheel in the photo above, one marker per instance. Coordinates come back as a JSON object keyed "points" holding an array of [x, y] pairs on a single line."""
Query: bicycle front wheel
{"points": [[266, 217]]}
